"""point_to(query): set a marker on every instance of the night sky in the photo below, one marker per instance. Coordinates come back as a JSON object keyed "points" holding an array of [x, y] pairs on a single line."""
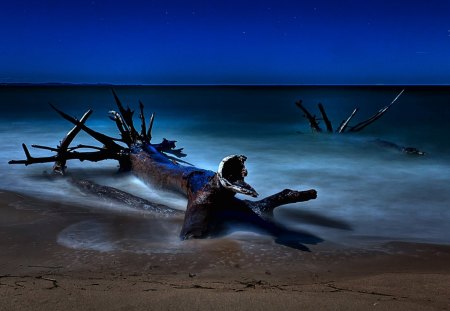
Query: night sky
{"points": [[225, 42]]}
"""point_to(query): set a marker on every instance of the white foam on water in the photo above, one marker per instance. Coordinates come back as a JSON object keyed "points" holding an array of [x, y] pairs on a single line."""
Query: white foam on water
{"points": [[105, 235]]}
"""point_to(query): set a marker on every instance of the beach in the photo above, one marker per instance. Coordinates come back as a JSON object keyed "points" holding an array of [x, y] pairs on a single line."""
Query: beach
{"points": [[124, 129], [243, 272]]}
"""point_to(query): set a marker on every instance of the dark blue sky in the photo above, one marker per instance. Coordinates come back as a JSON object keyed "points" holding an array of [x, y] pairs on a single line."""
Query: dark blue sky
{"points": [[225, 42]]}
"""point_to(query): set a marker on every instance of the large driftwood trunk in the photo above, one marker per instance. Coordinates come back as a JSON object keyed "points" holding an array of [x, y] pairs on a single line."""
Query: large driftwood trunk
{"points": [[212, 207]]}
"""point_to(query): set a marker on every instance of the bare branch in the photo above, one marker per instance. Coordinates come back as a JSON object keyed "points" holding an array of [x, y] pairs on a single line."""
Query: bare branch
{"points": [[105, 140], [60, 165], [168, 146], [74, 131], [82, 156], [176, 152], [264, 208], [27, 153], [325, 118], [45, 148], [344, 123], [81, 146], [30, 159], [358, 127], [123, 129], [150, 127], [127, 115], [177, 160], [312, 119], [144, 136]]}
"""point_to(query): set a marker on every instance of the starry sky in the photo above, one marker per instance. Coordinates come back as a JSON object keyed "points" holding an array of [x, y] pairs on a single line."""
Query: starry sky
{"points": [[225, 42]]}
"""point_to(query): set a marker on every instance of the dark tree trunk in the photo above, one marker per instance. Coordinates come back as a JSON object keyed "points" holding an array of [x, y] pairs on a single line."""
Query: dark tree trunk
{"points": [[212, 206]]}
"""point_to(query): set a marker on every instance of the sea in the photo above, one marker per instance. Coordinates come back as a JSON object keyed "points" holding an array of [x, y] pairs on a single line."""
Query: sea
{"points": [[367, 190]]}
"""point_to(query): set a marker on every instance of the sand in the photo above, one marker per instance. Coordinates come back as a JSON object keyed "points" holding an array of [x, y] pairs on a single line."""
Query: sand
{"points": [[39, 272]]}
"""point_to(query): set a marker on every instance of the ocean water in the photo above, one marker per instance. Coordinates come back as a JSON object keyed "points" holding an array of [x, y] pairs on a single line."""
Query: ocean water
{"points": [[366, 192]]}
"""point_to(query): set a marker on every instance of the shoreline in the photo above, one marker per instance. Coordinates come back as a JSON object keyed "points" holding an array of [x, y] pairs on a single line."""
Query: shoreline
{"points": [[250, 272]]}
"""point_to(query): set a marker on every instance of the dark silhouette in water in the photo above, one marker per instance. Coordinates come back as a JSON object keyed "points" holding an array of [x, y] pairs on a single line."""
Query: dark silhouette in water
{"points": [[308, 217], [344, 126], [391, 145]]}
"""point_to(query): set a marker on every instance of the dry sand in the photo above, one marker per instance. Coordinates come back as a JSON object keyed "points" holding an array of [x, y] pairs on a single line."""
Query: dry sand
{"points": [[38, 273]]}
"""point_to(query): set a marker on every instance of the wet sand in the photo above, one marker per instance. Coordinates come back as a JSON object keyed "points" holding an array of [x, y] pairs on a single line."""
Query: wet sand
{"points": [[44, 265]]}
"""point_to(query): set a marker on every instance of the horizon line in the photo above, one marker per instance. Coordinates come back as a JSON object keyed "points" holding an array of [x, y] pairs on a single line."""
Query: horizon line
{"points": [[210, 84]]}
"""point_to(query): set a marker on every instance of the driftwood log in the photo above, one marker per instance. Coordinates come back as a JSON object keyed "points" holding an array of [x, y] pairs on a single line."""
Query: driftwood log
{"points": [[212, 206]]}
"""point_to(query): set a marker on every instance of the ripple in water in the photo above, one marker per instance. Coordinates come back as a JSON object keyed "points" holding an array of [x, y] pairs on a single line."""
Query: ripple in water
{"points": [[135, 236]]}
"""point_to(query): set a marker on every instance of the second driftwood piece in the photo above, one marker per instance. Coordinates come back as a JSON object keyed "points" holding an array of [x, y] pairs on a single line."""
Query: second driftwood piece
{"points": [[344, 126]]}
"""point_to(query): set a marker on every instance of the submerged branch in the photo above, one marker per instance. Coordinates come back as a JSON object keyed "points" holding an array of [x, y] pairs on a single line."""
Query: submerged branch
{"points": [[312, 119], [358, 127], [325, 118], [122, 197], [344, 123]]}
